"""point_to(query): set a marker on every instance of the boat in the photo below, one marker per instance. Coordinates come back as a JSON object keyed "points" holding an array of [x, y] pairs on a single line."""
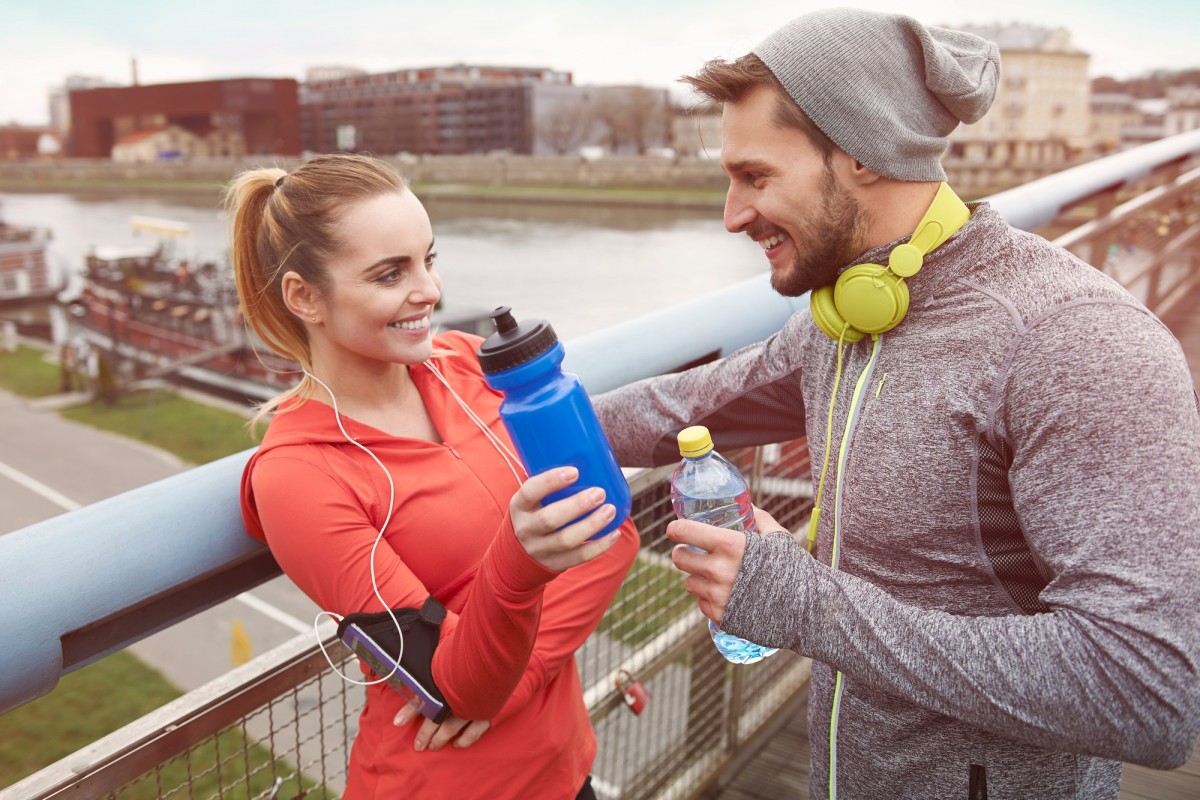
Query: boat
{"points": [[157, 313], [25, 271]]}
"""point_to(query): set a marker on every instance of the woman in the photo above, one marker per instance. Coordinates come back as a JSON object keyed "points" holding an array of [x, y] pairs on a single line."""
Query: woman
{"points": [[386, 477]]}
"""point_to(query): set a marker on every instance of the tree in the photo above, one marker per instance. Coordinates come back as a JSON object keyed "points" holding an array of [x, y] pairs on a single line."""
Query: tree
{"points": [[633, 115], [565, 127]]}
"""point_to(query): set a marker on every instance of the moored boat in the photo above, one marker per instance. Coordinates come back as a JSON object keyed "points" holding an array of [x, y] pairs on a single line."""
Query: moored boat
{"points": [[26, 275], [158, 314]]}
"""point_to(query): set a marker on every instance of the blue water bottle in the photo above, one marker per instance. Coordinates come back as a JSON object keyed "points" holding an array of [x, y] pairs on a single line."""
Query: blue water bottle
{"points": [[547, 411]]}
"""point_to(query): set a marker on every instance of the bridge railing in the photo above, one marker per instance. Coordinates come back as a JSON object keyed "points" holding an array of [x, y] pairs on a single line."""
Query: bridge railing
{"points": [[283, 721]]}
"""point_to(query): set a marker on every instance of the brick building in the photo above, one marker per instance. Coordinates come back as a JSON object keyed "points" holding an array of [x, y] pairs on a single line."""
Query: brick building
{"points": [[264, 111], [439, 110]]}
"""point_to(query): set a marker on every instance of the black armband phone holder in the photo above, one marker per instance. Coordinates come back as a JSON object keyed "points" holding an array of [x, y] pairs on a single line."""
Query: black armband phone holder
{"points": [[373, 638]]}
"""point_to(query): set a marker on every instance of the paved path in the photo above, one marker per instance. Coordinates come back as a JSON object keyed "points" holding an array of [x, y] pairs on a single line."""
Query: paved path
{"points": [[50, 465]]}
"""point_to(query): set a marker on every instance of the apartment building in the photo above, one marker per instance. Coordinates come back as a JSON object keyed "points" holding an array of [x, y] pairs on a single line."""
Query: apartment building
{"points": [[438, 110], [1042, 111]]}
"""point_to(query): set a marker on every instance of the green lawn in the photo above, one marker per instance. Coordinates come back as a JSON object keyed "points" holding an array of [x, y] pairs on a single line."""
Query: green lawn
{"points": [[102, 697], [94, 701], [649, 600], [27, 373], [195, 432]]}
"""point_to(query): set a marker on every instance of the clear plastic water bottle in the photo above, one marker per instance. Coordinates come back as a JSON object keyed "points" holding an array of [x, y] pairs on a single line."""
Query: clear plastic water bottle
{"points": [[707, 488], [548, 412]]}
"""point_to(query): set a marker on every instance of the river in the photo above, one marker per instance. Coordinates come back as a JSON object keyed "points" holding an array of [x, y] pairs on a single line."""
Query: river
{"points": [[580, 267]]}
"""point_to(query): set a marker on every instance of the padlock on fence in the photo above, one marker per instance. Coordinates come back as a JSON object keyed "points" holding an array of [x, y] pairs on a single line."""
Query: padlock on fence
{"points": [[635, 695]]}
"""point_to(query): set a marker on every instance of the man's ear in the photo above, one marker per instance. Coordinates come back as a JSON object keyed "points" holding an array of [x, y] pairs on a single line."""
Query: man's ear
{"points": [[852, 171], [299, 295]]}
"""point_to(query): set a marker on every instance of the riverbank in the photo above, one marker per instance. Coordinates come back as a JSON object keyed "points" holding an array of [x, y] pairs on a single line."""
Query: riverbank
{"points": [[534, 195], [621, 181], [615, 180]]}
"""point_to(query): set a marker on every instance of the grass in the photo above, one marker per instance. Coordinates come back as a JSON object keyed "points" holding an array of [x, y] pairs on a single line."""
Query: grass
{"points": [[70, 718], [194, 432], [630, 195], [650, 599], [100, 698], [580, 194], [27, 373]]}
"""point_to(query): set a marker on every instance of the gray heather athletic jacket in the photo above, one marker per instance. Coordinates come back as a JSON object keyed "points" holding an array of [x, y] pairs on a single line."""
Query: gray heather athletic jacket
{"points": [[1024, 387]]}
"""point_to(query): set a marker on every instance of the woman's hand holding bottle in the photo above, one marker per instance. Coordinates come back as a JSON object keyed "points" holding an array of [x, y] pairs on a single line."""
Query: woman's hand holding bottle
{"points": [[548, 533]]}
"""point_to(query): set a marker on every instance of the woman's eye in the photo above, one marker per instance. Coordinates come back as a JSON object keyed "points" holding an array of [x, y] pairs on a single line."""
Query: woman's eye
{"points": [[431, 260], [391, 276]]}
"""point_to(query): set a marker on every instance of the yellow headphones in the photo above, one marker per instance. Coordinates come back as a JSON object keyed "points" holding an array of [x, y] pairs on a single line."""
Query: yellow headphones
{"points": [[872, 298]]}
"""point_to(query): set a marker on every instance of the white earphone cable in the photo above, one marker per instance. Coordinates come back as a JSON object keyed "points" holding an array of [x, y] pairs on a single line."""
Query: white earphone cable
{"points": [[375, 546], [511, 461], [514, 463]]}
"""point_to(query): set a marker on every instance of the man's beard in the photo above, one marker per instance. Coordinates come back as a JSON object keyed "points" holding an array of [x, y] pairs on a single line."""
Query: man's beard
{"points": [[833, 235]]}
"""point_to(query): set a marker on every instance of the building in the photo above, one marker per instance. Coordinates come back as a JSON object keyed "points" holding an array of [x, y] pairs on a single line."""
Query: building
{"points": [[1151, 125], [23, 141], [439, 110], [1041, 115], [60, 99], [264, 112], [697, 132], [1113, 115], [172, 143], [1183, 115]]}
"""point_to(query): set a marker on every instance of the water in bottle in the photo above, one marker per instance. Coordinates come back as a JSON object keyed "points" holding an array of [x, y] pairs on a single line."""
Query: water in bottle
{"points": [[547, 411], [707, 488]]}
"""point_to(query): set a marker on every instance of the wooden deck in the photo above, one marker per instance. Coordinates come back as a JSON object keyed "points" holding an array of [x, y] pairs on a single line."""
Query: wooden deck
{"points": [[780, 770]]}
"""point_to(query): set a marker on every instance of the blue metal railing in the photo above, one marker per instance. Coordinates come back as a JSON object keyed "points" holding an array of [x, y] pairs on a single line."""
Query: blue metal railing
{"points": [[141, 561]]}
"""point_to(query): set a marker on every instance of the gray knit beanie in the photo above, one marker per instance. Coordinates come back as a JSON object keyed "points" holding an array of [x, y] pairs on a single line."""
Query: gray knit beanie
{"points": [[885, 88]]}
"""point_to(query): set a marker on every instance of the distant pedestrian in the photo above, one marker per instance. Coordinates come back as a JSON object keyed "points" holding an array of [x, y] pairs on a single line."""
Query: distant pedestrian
{"points": [[67, 368]]}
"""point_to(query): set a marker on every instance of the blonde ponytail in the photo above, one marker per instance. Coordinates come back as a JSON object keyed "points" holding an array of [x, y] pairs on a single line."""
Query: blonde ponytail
{"points": [[285, 222]]}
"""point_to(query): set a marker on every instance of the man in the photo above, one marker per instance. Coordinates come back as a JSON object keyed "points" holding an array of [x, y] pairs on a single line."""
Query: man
{"points": [[1003, 591]]}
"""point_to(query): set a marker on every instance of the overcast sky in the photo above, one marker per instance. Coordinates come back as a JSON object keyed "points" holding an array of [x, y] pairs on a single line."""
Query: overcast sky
{"points": [[648, 42]]}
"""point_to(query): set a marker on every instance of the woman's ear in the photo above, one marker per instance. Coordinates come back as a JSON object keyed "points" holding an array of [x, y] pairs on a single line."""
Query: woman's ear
{"points": [[299, 296]]}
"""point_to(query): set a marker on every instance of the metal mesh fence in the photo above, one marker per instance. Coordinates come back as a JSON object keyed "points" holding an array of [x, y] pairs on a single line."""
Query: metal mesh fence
{"points": [[283, 729]]}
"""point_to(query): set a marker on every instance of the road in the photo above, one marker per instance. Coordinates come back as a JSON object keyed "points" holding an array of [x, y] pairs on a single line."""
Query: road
{"points": [[50, 465]]}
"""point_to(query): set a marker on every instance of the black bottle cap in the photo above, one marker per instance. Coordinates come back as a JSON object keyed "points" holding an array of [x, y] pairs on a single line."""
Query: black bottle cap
{"points": [[514, 343]]}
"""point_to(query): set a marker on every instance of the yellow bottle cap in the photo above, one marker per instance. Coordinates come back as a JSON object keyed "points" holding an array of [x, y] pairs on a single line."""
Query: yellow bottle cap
{"points": [[694, 441]]}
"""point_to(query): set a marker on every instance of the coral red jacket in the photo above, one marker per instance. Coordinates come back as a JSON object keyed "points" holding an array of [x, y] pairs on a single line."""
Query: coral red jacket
{"points": [[507, 645]]}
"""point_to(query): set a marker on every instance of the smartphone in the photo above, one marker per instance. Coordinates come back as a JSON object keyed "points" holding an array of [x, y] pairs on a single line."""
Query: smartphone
{"points": [[385, 666]]}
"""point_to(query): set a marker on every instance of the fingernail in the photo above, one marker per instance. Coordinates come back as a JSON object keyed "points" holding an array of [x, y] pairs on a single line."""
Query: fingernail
{"points": [[569, 473], [608, 510], [596, 494], [419, 746]]}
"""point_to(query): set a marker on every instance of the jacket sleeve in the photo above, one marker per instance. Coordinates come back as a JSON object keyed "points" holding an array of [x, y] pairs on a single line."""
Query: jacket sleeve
{"points": [[574, 603], [323, 540], [750, 397], [1106, 483]]}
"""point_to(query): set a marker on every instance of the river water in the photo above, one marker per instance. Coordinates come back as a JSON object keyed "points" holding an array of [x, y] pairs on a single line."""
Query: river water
{"points": [[580, 267]]}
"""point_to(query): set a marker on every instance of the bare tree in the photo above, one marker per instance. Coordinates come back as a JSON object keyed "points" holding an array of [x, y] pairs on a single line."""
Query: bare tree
{"points": [[631, 115], [565, 127]]}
